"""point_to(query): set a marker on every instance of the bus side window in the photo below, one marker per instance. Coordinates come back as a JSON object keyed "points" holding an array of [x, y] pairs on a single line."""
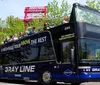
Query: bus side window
{"points": [[9, 58], [67, 51], [46, 52], [30, 54]]}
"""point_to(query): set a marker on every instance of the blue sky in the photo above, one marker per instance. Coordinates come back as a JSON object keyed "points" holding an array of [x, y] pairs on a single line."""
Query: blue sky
{"points": [[16, 7]]}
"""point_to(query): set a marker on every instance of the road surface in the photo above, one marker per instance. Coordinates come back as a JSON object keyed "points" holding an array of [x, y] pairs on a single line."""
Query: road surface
{"points": [[5, 82]]}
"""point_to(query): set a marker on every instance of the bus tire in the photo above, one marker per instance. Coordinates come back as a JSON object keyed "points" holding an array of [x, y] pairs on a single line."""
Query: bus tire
{"points": [[45, 77]]}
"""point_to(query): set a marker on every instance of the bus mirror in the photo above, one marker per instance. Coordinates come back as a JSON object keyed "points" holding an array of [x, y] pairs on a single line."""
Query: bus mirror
{"points": [[72, 56]]}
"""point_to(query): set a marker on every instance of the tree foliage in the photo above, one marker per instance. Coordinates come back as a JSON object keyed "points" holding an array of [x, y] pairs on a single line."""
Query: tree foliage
{"points": [[95, 4], [90, 16], [10, 26], [2, 23], [56, 12], [38, 23], [55, 15], [14, 24]]}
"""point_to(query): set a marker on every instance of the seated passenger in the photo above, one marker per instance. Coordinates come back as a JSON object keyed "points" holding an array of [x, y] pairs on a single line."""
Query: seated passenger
{"points": [[26, 33], [32, 31], [15, 37], [21, 34], [46, 26], [65, 20], [11, 38]]}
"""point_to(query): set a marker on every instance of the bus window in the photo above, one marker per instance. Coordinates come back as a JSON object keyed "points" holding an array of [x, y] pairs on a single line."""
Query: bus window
{"points": [[89, 50], [3, 59], [46, 52], [67, 47], [10, 58], [30, 54]]}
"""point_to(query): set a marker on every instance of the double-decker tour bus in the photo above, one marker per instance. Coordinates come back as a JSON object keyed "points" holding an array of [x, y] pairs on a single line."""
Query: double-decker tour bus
{"points": [[66, 53]]}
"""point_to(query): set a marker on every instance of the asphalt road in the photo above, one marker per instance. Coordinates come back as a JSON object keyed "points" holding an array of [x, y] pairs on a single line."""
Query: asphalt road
{"points": [[11, 82]]}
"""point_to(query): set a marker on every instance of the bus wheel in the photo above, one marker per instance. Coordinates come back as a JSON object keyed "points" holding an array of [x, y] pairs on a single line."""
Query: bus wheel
{"points": [[45, 77]]}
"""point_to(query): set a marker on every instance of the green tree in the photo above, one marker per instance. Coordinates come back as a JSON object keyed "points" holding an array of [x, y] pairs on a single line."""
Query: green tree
{"points": [[95, 4], [2, 23], [37, 23], [54, 16], [14, 25], [89, 16], [10, 26], [2, 27], [56, 12]]}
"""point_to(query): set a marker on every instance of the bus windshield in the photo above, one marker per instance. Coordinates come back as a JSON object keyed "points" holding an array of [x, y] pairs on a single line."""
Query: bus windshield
{"points": [[85, 14], [89, 50]]}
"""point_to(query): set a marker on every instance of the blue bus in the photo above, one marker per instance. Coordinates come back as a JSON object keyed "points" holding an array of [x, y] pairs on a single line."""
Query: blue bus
{"points": [[66, 53]]}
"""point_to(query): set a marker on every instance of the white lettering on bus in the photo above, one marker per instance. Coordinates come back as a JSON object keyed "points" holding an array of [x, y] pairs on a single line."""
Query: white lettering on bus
{"points": [[11, 69], [17, 46], [96, 69], [42, 39], [7, 48], [27, 68], [34, 41]]}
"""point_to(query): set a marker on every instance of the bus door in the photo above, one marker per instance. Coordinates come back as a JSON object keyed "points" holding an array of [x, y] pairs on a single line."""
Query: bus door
{"points": [[67, 60]]}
